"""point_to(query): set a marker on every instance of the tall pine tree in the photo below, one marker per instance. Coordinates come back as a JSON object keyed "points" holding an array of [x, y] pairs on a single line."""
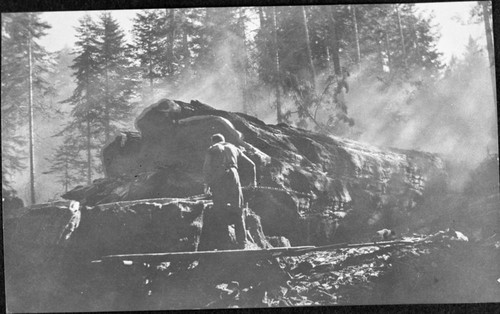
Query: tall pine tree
{"points": [[105, 85], [68, 163], [116, 74], [150, 46], [25, 66], [85, 99]]}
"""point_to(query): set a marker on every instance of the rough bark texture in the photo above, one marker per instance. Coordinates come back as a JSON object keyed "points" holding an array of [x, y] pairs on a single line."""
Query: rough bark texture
{"points": [[146, 204], [53, 245], [354, 186]]}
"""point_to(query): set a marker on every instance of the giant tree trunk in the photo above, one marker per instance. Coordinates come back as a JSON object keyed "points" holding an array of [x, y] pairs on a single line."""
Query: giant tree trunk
{"points": [[308, 47], [489, 46], [277, 74], [107, 118], [413, 32], [334, 42], [170, 44], [388, 50], [150, 69], [89, 153], [244, 78], [356, 34], [348, 183], [403, 46], [185, 48], [30, 109], [313, 189]]}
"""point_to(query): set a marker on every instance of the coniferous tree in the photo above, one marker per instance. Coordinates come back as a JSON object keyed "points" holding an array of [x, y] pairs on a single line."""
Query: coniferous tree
{"points": [[392, 42], [170, 47], [149, 45], [105, 84], [25, 66], [85, 98], [170, 32], [220, 50], [68, 164], [482, 13], [266, 55], [116, 75]]}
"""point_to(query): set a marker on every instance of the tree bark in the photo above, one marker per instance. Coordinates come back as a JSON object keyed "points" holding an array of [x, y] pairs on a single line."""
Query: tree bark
{"points": [[489, 46], [413, 31], [30, 109], [380, 50], [334, 42], [185, 48], [241, 24], [356, 34], [403, 46], [171, 39], [107, 52], [107, 129], [277, 79], [328, 58], [388, 50], [308, 46], [66, 174], [150, 69], [89, 155]]}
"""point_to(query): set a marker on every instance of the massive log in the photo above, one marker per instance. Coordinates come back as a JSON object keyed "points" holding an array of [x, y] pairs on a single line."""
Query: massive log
{"points": [[148, 203], [355, 188], [49, 248]]}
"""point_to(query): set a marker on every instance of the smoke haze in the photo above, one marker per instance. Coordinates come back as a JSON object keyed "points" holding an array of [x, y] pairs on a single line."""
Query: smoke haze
{"points": [[454, 116]]}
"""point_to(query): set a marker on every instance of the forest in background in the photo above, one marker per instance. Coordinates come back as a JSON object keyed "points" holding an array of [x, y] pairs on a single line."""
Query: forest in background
{"points": [[366, 72]]}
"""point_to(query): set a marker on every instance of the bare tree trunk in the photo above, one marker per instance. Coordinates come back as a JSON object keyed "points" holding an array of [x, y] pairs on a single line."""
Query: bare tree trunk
{"points": [[241, 22], [380, 50], [489, 45], [261, 18], [356, 34], [107, 128], [413, 32], [30, 108], [277, 79], [388, 50], [328, 58], [403, 46], [88, 135], [89, 155], [185, 48], [150, 69], [171, 39], [334, 42], [308, 46], [66, 174]]}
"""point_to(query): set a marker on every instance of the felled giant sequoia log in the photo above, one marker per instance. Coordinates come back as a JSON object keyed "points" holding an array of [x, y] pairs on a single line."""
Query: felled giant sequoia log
{"points": [[354, 187], [49, 248]]}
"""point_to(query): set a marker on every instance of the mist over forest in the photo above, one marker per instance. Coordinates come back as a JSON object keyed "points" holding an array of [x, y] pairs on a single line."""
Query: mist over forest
{"points": [[370, 73]]}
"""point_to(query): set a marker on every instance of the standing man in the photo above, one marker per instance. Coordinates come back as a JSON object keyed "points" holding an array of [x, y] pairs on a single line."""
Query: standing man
{"points": [[220, 172]]}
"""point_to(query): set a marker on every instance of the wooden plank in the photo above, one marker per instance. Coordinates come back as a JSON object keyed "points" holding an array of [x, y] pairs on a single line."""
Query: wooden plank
{"points": [[352, 245], [249, 254], [172, 256]]}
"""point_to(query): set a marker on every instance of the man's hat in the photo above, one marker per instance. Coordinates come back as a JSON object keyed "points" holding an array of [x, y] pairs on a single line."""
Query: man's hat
{"points": [[216, 138]]}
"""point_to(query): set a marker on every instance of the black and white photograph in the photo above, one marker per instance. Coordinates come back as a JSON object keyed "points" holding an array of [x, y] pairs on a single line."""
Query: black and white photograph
{"points": [[208, 157]]}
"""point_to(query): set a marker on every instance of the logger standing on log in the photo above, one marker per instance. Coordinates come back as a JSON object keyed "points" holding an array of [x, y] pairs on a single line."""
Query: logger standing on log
{"points": [[220, 172]]}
